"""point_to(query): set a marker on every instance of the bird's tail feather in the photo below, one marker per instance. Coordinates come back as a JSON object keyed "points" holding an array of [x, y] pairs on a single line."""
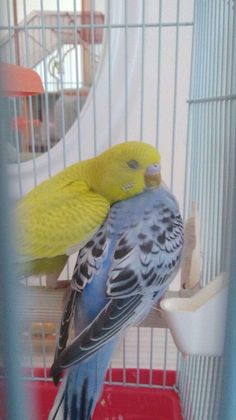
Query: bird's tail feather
{"points": [[82, 386], [57, 411]]}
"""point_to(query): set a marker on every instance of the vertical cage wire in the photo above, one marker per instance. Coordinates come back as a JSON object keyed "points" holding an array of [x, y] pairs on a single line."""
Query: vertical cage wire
{"points": [[92, 59], [158, 73], [175, 94], [13, 402], [31, 128], [17, 141], [124, 362], [77, 79], [61, 81], [142, 71], [62, 96], [210, 169], [12, 58], [126, 70], [151, 358], [43, 41], [108, 8], [31, 353]]}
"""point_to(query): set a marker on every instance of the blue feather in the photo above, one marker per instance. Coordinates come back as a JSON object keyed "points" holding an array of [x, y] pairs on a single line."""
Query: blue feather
{"points": [[85, 382]]}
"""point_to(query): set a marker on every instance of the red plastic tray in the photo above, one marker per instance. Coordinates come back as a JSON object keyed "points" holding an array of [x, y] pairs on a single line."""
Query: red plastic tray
{"points": [[118, 402]]}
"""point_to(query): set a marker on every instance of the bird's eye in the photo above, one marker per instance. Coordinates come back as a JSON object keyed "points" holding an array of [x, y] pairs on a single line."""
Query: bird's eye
{"points": [[133, 164]]}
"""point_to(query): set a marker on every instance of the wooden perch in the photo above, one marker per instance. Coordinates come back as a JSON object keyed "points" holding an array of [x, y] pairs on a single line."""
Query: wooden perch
{"points": [[191, 260]]}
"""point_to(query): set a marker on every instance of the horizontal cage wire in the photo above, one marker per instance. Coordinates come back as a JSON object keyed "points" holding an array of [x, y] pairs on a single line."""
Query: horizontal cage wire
{"points": [[155, 71]]}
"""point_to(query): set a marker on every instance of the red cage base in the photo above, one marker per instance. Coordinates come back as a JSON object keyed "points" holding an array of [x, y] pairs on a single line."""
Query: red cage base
{"points": [[126, 402]]}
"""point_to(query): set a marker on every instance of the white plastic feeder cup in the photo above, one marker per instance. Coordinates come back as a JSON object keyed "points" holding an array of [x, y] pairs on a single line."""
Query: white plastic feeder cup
{"points": [[197, 323]]}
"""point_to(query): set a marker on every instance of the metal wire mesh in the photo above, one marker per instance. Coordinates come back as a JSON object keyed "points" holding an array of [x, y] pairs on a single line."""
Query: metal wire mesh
{"points": [[153, 48], [210, 168], [147, 110]]}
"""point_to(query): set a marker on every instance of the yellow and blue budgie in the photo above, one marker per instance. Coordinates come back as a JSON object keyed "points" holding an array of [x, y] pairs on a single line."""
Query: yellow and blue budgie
{"points": [[60, 215]]}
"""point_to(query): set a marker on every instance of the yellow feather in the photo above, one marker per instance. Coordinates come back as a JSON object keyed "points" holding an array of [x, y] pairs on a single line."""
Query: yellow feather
{"points": [[50, 225]]}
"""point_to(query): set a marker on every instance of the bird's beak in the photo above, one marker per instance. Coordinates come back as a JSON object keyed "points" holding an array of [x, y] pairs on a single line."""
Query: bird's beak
{"points": [[152, 176]]}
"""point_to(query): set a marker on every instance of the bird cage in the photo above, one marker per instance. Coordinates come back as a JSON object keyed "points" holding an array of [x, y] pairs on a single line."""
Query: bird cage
{"points": [[163, 72]]}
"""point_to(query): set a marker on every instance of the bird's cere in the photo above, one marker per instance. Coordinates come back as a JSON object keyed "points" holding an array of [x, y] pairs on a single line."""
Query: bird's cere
{"points": [[153, 169]]}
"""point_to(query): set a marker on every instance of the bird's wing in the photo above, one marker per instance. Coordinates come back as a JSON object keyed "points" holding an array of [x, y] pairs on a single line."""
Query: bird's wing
{"points": [[110, 321], [145, 257], [146, 247], [53, 224], [149, 250], [88, 263], [65, 329], [66, 321]]}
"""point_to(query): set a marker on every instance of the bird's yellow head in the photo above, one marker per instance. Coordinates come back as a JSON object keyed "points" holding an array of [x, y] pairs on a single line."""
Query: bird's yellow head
{"points": [[126, 169]]}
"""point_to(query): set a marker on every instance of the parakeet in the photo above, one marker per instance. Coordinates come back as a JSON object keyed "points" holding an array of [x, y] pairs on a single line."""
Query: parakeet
{"points": [[119, 276], [59, 216]]}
